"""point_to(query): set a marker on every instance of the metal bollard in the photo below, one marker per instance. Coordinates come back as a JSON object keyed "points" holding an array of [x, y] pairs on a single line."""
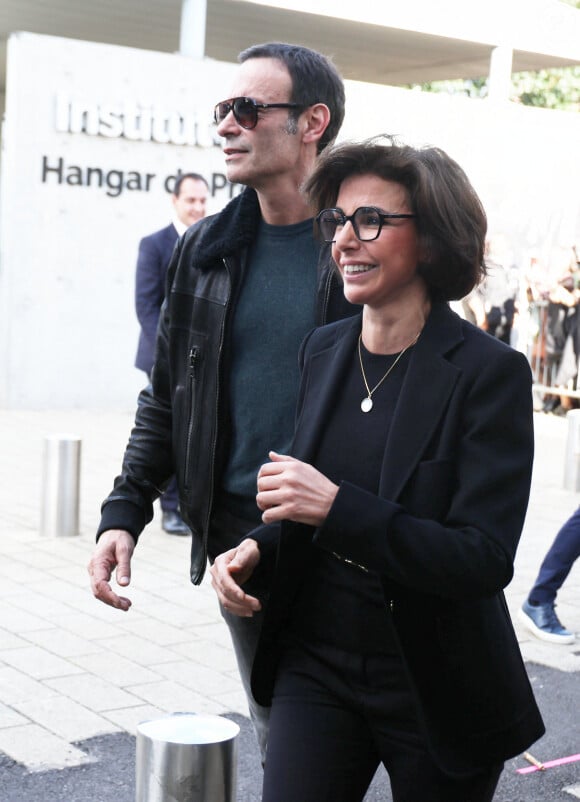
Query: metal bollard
{"points": [[60, 488], [186, 757], [572, 464]]}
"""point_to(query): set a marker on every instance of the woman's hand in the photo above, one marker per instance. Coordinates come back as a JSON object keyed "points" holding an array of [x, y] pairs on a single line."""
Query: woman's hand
{"points": [[294, 491], [230, 570]]}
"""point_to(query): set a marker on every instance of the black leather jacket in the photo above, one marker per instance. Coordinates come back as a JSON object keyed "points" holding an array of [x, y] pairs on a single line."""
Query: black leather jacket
{"points": [[181, 424]]}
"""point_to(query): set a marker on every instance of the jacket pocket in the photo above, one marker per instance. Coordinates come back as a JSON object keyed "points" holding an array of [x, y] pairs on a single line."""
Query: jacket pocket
{"points": [[188, 402]]}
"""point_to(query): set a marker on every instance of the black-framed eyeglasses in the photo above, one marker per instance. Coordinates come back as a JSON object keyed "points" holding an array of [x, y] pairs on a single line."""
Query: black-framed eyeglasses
{"points": [[245, 110], [367, 222]]}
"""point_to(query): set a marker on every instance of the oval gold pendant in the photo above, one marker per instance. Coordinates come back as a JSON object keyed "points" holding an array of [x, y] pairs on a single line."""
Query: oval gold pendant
{"points": [[366, 404]]}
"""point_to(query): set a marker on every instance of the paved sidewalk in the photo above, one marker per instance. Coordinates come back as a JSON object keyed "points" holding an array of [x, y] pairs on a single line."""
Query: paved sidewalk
{"points": [[72, 669]]}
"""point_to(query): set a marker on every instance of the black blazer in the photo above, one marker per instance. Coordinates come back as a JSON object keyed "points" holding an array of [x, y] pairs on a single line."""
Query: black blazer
{"points": [[442, 533], [155, 253]]}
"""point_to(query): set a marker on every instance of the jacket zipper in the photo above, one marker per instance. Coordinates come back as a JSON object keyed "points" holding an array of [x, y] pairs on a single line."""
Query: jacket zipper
{"points": [[193, 358], [216, 413]]}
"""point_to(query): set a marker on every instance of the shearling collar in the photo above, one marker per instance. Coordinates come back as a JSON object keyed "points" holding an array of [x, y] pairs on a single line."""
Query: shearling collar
{"points": [[227, 232]]}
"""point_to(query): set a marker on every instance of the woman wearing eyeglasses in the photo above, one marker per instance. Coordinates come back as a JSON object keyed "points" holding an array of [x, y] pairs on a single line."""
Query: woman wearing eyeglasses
{"points": [[393, 526]]}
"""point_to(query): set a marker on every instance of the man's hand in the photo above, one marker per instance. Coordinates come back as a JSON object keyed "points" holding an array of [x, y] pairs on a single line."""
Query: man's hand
{"points": [[294, 491], [114, 550], [230, 570]]}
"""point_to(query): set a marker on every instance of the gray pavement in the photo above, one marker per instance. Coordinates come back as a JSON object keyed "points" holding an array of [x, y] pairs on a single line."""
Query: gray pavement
{"points": [[76, 675]]}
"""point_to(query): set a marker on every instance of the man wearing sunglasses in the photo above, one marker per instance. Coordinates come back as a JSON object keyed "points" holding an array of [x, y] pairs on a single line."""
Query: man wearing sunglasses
{"points": [[244, 287]]}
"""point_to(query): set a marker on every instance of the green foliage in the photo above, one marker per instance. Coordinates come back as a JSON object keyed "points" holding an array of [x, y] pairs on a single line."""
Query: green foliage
{"points": [[549, 89], [470, 87]]}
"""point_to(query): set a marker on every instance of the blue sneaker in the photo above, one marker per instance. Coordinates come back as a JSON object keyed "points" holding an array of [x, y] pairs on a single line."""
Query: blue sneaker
{"points": [[542, 621]]}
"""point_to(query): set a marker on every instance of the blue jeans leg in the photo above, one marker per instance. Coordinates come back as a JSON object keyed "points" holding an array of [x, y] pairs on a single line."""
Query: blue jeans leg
{"points": [[170, 499], [558, 562]]}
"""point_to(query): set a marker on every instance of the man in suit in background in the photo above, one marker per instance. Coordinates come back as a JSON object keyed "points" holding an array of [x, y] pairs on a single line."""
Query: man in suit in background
{"points": [[189, 202]]}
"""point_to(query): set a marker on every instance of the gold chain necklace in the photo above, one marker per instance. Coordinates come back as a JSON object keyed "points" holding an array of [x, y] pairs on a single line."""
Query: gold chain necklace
{"points": [[367, 403]]}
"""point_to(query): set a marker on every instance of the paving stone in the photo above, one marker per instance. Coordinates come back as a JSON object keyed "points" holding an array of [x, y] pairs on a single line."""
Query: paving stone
{"points": [[8, 640], [116, 669], [41, 604], [93, 692], [16, 687], [63, 643], [38, 749], [204, 680], [9, 717], [66, 718], [141, 650], [155, 631], [209, 654], [129, 718], [172, 697], [19, 621], [88, 626], [38, 663]]}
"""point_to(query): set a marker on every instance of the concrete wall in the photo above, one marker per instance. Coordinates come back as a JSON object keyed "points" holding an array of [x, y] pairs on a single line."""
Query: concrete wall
{"points": [[74, 206], [68, 246]]}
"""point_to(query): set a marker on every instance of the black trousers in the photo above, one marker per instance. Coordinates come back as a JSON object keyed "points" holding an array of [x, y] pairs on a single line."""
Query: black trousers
{"points": [[335, 717]]}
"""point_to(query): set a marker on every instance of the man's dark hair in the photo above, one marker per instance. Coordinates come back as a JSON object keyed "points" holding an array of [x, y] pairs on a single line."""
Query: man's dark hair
{"points": [[451, 221], [315, 79], [179, 181]]}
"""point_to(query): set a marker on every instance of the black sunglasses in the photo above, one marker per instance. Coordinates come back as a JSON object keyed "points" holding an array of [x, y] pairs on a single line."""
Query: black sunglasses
{"points": [[367, 222], [245, 110]]}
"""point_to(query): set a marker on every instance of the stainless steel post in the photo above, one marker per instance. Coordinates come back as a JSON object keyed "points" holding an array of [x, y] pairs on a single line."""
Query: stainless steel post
{"points": [[186, 757], [572, 464], [60, 487]]}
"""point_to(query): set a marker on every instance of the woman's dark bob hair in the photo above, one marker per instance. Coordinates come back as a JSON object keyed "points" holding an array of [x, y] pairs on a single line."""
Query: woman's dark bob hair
{"points": [[451, 222]]}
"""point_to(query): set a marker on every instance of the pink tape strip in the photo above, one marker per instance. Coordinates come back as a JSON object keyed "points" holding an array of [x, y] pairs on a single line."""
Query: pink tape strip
{"points": [[550, 763]]}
